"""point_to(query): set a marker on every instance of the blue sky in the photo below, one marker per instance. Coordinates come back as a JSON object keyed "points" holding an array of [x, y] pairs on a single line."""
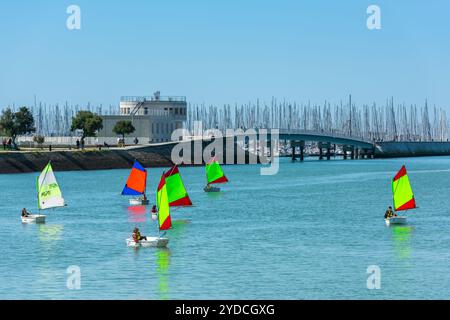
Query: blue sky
{"points": [[217, 52]]}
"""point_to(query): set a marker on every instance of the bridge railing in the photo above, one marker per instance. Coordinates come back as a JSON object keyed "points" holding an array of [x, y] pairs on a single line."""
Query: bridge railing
{"points": [[333, 133]]}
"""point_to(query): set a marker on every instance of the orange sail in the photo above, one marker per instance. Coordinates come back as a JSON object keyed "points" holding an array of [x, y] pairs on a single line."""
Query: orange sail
{"points": [[137, 181]]}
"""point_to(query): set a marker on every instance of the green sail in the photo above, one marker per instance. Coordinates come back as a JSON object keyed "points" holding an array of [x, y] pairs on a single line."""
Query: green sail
{"points": [[214, 173], [49, 193], [176, 191]]}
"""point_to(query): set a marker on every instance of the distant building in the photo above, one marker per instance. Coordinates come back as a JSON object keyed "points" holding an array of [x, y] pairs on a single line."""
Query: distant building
{"points": [[154, 117]]}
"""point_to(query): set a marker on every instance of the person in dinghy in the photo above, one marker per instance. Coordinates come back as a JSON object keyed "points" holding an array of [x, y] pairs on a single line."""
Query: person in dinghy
{"points": [[154, 213], [137, 235], [25, 213], [389, 213]]}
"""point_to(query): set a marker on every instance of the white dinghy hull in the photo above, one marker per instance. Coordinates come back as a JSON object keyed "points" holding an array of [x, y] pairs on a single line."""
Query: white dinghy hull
{"points": [[34, 218], [395, 220], [139, 202], [151, 242]]}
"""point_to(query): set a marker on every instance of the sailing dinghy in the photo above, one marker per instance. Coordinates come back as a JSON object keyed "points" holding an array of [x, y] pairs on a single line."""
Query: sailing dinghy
{"points": [[403, 196], [164, 220], [214, 175], [49, 195], [136, 185]]}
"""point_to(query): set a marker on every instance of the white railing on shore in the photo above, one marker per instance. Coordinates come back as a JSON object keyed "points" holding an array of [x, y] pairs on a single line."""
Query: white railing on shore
{"points": [[27, 141]]}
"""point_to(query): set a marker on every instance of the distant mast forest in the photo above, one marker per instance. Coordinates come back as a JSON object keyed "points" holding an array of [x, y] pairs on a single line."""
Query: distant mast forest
{"points": [[388, 122]]}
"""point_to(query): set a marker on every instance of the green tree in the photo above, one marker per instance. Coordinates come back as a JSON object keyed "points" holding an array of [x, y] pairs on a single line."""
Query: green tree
{"points": [[123, 128], [24, 121], [39, 140], [17, 123], [7, 122], [87, 121]]}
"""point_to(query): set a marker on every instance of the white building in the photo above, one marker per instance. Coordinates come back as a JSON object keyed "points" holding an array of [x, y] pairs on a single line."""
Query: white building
{"points": [[154, 117]]}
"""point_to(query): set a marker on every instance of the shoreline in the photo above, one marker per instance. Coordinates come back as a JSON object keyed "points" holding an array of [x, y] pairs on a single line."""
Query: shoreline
{"points": [[150, 156], [159, 155]]}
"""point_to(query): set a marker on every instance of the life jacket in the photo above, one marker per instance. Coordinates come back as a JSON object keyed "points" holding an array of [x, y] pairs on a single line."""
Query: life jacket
{"points": [[136, 236], [153, 210]]}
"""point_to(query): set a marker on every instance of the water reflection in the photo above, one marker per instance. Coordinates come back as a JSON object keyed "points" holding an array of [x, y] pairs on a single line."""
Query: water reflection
{"points": [[50, 236], [50, 247], [136, 214], [50, 233], [215, 194], [162, 270], [163, 256], [401, 236], [178, 227]]}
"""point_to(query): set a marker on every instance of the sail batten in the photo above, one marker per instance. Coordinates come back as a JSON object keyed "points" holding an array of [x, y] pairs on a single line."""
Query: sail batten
{"points": [[49, 193], [214, 173], [402, 193], [178, 196], [137, 181]]}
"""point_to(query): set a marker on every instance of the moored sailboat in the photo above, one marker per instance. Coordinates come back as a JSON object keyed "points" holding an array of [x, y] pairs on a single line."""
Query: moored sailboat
{"points": [[49, 195], [403, 196], [136, 185], [214, 175]]}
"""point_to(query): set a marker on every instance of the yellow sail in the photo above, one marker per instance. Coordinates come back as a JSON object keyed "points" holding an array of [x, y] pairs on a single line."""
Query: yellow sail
{"points": [[402, 192], [162, 201]]}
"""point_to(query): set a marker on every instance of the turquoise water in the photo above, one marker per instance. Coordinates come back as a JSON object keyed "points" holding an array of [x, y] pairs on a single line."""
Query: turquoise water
{"points": [[309, 232]]}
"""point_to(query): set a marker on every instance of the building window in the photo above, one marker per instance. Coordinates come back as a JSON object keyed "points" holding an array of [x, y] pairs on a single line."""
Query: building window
{"points": [[145, 110]]}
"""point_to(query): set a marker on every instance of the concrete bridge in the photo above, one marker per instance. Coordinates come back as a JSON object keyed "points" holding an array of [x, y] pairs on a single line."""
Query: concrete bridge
{"points": [[353, 147]]}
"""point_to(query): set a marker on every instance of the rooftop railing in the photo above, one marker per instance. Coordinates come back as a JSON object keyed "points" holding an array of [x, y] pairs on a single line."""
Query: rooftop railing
{"points": [[153, 98]]}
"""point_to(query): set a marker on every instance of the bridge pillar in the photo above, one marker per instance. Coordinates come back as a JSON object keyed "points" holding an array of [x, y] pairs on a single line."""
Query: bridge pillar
{"points": [[356, 153], [344, 152], [293, 150], [328, 152], [302, 150], [352, 153], [320, 151]]}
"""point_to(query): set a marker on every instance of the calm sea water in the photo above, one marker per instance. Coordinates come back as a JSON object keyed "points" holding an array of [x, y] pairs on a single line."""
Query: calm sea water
{"points": [[309, 232]]}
